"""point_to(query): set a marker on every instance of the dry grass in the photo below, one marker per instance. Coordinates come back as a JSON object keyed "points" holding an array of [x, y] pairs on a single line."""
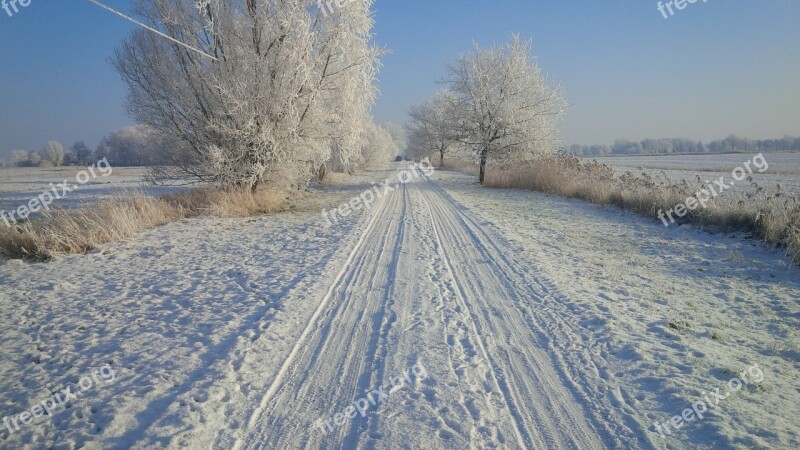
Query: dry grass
{"points": [[457, 165], [59, 232], [228, 203], [334, 178], [772, 216]]}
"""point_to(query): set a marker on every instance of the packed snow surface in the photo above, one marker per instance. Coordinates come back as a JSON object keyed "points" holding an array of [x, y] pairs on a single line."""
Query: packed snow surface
{"points": [[446, 315]]}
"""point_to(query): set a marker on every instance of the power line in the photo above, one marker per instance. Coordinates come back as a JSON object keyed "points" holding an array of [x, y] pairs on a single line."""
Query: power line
{"points": [[124, 16]]}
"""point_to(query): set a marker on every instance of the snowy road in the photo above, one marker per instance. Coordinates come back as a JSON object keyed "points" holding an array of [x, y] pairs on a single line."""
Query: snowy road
{"points": [[450, 315], [426, 285]]}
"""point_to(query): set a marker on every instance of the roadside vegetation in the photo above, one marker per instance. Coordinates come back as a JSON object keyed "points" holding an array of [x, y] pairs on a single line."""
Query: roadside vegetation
{"points": [[772, 216], [59, 231]]}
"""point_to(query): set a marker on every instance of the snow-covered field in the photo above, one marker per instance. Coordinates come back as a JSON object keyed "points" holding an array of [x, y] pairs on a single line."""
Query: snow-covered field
{"points": [[19, 185], [784, 168], [450, 315]]}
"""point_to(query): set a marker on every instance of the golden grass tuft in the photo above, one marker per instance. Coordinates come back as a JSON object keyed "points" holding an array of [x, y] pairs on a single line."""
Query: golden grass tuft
{"points": [[772, 216], [457, 165], [60, 232]]}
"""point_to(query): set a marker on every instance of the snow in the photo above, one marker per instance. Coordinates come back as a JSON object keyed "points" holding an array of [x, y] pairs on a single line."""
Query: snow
{"points": [[19, 185], [623, 278], [541, 323], [784, 167]]}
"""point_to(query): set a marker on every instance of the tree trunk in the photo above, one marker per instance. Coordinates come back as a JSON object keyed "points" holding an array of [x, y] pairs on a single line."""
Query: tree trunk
{"points": [[441, 158], [321, 172], [484, 158]]}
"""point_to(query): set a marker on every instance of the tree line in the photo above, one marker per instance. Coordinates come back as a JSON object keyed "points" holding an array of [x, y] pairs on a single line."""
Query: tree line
{"points": [[730, 144], [128, 146]]}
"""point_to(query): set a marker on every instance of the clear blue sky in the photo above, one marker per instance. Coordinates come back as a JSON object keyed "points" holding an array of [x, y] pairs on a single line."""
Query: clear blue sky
{"points": [[715, 68]]}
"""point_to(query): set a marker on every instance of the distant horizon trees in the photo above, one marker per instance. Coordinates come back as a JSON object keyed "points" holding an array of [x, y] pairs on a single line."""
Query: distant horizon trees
{"points": [[80, 154], [51, 155], [136, 146], [130, 146], [730, 144]]}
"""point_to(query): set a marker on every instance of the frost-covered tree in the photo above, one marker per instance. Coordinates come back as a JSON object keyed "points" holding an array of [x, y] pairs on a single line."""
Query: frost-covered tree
{"points": [[286, 84], [34, 159], [81, 153], [131, 146], [19, 157], [419, 147], [100, 152], [434, 125], [506, 109], [379, 145], [398, 135], [53, 154]]}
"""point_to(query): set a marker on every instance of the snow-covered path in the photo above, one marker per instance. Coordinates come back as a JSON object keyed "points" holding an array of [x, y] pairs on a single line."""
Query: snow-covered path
{"points": [[452, 316], [426, 285]]}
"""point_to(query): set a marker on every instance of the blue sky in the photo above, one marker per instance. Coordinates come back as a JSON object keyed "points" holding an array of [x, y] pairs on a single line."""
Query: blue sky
{"points": [[714, 68]]}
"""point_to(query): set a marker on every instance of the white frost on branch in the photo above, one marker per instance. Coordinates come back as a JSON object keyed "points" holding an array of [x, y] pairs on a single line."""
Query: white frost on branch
{"points": [[505, 109], [290, 84]]}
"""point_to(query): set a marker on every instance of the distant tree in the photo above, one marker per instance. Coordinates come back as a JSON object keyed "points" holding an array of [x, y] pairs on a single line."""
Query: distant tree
{"points": [[398, 135], [626, 147], [53, 153], [101, 151], [419, 146], [506, 108], [19, 158], [594, 150], [435, 126], [128, 146], [731, 143], [379, 146], [81, 153], [34, 159], [701, 148]]}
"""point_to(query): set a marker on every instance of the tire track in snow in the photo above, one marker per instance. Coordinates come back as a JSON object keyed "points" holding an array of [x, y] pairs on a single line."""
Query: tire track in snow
{"points": [[553, 405], [377, 362], [501, 387], [336, 341], [619, 425]]}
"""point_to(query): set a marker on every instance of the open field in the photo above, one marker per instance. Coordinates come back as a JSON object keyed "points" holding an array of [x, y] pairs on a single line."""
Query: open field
{"points": [[784, 168], [19, 185]]}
